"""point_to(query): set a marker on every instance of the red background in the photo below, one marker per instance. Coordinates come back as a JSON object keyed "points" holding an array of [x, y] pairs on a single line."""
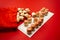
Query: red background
{"points": [[49, 31]]}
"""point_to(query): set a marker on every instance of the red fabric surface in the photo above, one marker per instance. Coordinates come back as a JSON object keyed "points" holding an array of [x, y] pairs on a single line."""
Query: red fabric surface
{"points": [[8, 17], [49, 31]]}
